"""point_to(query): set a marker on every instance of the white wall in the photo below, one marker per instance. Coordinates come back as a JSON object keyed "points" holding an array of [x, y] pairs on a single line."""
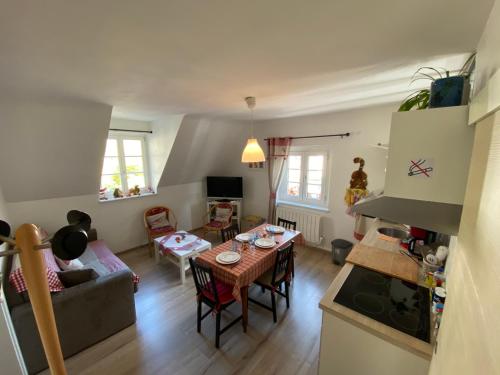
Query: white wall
{"points": [[204, 147], [469, 337], [160, 144], [119, 223], [128, 124], [367, 127], [488, 53], [51, 147], [10, 358]]}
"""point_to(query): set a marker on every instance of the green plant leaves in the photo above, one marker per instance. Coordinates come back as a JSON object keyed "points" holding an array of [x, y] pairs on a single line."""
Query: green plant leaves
{"points": [[419, 100]]}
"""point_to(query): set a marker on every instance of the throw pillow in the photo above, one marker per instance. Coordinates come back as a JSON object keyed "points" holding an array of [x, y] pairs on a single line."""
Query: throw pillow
{"points": [[16, 277], [222, 214], [69, 265], [158, 220], [75, 277]]}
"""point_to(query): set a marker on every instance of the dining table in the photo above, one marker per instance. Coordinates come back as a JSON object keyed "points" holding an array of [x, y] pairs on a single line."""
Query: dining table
{"points": [[253, 263]]}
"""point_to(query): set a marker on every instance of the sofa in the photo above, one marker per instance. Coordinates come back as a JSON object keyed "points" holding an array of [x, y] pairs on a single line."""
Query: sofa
{"points": [[86, 312]]}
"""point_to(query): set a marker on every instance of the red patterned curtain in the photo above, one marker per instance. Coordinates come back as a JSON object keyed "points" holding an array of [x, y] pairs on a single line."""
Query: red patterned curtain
{"points": [[277, 152]]}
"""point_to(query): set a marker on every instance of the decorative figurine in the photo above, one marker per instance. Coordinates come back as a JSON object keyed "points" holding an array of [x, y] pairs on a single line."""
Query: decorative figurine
{"points": [[358, 184], [359, 179], [118, 193], [135, 190]]}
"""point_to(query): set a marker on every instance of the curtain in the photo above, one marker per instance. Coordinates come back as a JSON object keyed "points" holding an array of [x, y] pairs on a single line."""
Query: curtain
{"points": [[277, 152]]}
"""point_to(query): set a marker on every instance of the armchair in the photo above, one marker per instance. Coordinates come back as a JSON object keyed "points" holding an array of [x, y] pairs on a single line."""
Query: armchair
{"points": [[158, 221]]}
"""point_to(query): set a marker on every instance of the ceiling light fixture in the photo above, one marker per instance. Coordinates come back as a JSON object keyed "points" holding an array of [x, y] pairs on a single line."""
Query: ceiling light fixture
{"points": [[253, 152]]}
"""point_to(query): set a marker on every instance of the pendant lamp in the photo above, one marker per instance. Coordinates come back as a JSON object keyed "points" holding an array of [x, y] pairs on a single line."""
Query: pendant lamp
{"points": [[253, 152]]}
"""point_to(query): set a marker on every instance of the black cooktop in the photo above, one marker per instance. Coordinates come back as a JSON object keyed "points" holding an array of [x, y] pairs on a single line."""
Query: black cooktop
{"points": [[396, 303]]}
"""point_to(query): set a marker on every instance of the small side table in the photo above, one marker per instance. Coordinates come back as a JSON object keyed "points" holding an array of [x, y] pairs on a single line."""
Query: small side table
{"points": [[179, 257]]}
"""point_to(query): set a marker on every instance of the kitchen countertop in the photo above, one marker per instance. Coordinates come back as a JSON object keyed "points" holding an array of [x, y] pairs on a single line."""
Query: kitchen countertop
{"points": [[383, 256], [375, 239], [386, 262], [398, 338]]}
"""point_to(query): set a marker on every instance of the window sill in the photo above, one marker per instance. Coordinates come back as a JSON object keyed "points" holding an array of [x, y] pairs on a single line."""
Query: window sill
{"points": [[126, 198], [302, 205]]}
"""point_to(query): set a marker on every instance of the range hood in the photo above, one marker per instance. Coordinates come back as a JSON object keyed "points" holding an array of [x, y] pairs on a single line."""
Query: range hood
{"points": [[427, 170], [435, 216]]}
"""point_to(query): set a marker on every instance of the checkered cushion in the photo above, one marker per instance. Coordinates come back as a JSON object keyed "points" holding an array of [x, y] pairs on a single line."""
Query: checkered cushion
{"points": [[16, 277]]}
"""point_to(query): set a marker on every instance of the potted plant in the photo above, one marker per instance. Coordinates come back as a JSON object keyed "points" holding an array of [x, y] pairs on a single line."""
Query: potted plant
{"points": [[445, 90]]}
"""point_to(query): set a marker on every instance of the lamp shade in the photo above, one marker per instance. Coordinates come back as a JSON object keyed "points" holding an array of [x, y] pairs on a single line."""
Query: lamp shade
{"points": [[252, 152]]}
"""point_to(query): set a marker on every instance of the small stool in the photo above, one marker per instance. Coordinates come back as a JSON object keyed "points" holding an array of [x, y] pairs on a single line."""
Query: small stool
{"points": [[252, 221]]}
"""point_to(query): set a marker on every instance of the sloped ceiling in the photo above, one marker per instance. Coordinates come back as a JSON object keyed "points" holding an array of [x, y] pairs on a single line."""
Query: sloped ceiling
{"points": [[51, 148], [204, 147], [148, 58]]}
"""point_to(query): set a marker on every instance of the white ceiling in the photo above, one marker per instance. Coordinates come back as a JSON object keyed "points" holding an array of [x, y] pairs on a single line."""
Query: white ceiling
{"points": [[149, 58]]}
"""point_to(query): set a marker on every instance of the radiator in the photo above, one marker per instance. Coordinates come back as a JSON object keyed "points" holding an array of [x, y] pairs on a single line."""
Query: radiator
{"points": [[307, 222]]}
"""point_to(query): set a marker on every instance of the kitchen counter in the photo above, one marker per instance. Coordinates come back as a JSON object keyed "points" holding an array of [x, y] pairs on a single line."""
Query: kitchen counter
{"points": [[375, 239], [361, 344], [386, 262], [398, 338]]}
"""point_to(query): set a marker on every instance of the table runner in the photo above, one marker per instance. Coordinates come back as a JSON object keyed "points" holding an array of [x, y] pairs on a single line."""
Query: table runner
{"points": [[167, 243], [252, 264]]}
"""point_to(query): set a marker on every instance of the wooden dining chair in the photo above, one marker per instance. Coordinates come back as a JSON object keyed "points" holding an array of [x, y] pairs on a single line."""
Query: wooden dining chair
{"points": [[230, 233], [215, 294], [288, 224], [273, 279]]}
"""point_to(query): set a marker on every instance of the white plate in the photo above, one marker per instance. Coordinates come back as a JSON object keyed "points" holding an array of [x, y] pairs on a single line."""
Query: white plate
{"points": [[228, 257], [275, 229], [243, 237], [265, 243]]}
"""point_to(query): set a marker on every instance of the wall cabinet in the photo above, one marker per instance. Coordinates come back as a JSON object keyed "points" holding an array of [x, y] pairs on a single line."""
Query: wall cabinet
{"points": [[429, 155]]}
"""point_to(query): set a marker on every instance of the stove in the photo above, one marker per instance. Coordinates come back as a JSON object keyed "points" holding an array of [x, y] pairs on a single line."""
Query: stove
{"points": [[388, 300]]}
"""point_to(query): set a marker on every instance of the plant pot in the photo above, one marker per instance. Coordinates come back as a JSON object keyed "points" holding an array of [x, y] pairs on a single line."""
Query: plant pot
{"points": [[449, 92]]}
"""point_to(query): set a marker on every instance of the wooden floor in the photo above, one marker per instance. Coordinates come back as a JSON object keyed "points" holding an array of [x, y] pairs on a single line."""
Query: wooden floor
{"points": [[164, 339]]}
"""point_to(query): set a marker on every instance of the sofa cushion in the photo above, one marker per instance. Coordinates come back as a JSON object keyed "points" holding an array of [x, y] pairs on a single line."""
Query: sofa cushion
{"points": [[16, 277], [69, 265], [103, 261], [75, 277]]}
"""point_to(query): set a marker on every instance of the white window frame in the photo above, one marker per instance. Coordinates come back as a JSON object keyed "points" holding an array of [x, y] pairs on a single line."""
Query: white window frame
{"points": [[120, 137], [302, 199]]}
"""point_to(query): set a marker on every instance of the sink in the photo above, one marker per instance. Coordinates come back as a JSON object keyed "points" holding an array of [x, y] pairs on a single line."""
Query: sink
{"points": [[394, 232]]}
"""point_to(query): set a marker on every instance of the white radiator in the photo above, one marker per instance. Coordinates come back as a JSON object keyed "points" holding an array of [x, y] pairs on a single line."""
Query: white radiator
{"points": [[307, 222]]}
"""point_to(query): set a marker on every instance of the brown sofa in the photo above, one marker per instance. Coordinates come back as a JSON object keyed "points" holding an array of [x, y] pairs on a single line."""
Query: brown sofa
{"points": [[85, 313]]}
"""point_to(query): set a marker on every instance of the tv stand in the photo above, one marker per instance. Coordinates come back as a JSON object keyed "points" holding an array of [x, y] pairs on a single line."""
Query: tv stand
{"points": [[234, 202]]}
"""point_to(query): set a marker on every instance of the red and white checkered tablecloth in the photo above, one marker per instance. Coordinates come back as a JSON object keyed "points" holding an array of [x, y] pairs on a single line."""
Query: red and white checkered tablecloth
{"points": [[252, 264]]}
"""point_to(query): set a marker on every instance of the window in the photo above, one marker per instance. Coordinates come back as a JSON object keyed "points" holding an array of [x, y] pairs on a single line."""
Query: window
{"points": [[125, 165], [304, 179]]}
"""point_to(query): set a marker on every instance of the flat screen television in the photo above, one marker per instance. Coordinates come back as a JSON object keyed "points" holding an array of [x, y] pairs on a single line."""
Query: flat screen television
{"points": [[224, 187]]}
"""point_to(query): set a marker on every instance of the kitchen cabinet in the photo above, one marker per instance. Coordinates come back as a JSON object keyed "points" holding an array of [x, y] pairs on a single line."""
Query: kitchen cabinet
{"points": [[427, 170], [347, 349], [429, 155]]}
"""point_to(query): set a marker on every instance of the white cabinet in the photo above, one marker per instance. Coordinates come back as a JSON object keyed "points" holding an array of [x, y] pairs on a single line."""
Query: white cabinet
{"points": [[429, 155], [349, 350]]}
